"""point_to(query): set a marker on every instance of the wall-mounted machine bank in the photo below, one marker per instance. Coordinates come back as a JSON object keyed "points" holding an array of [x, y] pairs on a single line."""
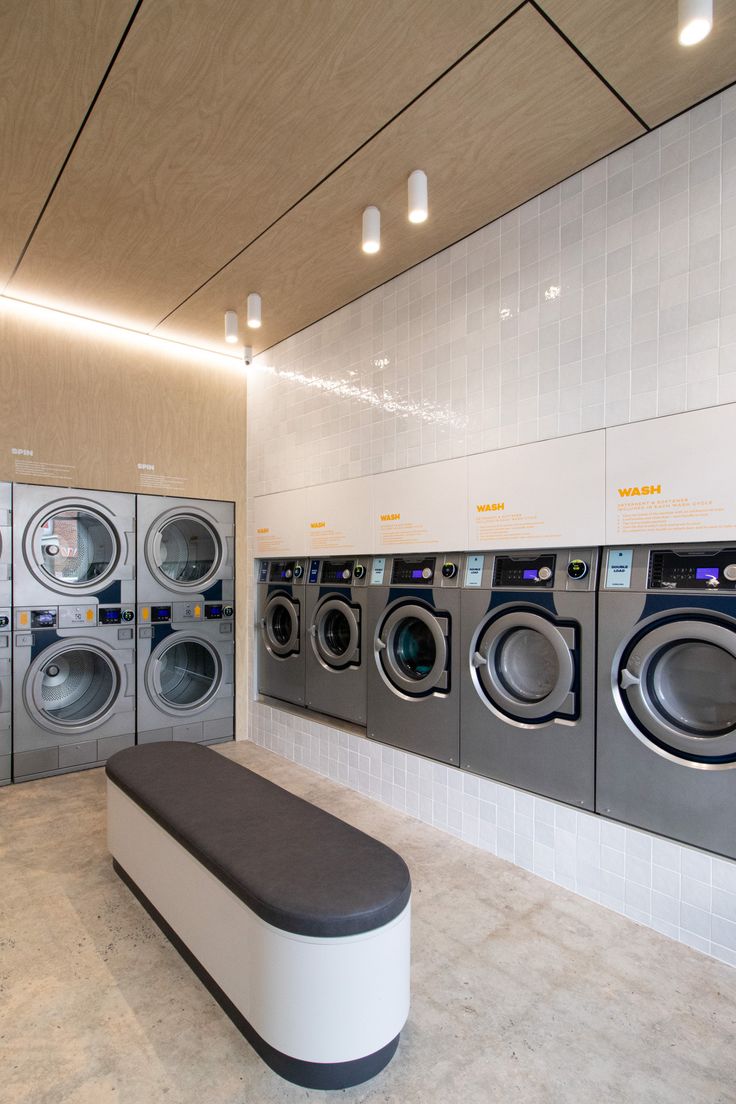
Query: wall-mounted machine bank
{"points": [[528, 678], [280, 660], [414, 619], [6, 692], [336, 627], [667, 692]]}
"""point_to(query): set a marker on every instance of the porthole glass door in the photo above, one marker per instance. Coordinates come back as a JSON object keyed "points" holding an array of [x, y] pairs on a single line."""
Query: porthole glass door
{"points": [[74, 548], [72, 687], [188, 673], [336, 633], [412, 649], [184, 551]]}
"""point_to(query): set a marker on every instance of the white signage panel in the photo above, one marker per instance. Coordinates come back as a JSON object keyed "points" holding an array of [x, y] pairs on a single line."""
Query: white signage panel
{"points": [[339, 517], [544, 494], [280, 524], [671, 479], [421, 508]]}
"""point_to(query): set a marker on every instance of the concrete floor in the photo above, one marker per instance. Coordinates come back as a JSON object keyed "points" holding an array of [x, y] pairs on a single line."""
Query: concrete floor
{"points": [[522, 992]]}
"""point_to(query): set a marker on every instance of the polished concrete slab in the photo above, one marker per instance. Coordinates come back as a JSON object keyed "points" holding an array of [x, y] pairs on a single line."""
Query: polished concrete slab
{"points": [[522, 991]]}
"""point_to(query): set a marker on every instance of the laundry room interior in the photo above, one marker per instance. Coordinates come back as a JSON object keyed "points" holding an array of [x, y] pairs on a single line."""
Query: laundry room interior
{"points": [[368, 550]]}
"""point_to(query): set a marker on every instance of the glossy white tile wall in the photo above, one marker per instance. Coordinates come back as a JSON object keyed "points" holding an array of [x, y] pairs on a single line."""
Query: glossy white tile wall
{"points": [[608, 299]]}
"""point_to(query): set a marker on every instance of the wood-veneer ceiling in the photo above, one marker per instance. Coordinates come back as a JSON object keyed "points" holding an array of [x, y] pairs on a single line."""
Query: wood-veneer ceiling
{"points": [[156, 171]]}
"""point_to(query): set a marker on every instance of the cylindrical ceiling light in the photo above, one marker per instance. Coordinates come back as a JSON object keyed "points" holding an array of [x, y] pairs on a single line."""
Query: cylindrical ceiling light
{"points": [[695, 21], [371, 230], [254, 311], [418, 201], [231, 327]]}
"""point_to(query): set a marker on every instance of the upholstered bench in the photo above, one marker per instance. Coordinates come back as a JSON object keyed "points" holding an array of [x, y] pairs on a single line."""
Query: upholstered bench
{"points": [[297, 923]]}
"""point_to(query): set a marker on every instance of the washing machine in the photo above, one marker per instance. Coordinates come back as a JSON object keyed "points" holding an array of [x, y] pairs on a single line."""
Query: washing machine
{"points": [[413, 673], [6, 690], [336, 594], [667, 692], [185, 666], [281, 626], [186, 550], [73, 546], [73, 686], [527, 707]]}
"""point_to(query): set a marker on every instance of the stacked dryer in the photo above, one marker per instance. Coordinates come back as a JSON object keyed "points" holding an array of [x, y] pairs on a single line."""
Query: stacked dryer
{"points": [[6, 686], [73, 643], [186, 613]]}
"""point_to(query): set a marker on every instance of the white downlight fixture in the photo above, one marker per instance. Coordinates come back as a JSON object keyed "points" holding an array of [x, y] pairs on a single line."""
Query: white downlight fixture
{"points": [[231, 327], [371, 230], [695, 21], [254, 311], [418, 202]]}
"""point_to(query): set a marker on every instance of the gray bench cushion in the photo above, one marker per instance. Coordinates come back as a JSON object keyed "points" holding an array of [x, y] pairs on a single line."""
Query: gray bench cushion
{"points": [[297, 867]]}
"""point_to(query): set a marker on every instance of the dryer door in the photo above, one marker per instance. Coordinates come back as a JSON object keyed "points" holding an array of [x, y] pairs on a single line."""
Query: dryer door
{"points": [[522, 666], [72, 548], [335, 633], [72, 686], [676, 684], [280, 625], [183, 674], [183, 550], [412, 650]]}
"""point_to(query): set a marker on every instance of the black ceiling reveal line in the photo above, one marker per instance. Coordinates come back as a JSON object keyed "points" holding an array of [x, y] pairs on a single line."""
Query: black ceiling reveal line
{"points": [[589, 63], [345, 160], [77, 136]]}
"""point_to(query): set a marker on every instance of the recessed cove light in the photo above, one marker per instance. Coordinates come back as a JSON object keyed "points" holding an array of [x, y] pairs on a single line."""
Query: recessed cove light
{"points": [[695, 21]]}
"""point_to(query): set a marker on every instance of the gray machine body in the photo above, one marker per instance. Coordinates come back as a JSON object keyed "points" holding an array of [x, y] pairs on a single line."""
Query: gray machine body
{"points": [[185, 667], [73, 689], [6, 688], [72, 546], [667, 692], [336, 624], [414, 668], [186, 550], [281, 630], [528, 671]]}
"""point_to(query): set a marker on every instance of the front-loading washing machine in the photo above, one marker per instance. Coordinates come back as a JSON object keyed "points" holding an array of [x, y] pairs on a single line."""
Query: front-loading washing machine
{"points": [[6, 689], [73, 687], [186, 550], [185, 664], [527, 709], [336, 637], [413, 673], [281, 626], [73, 546], [667, 692]]}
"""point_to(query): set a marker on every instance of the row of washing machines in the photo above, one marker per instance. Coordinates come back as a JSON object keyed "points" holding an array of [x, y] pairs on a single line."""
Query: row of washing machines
{"points": [[605, 679], [116, 624]]}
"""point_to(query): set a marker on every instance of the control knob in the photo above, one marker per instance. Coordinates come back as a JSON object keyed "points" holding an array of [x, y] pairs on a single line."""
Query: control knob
{"points": [[359, 571], [426, 572], [128, 615], [577, 569], [298, 571], [729, 572], [227, 611], [544, 573], [288, 573], [346, 573], [449, 570], [4, 622]]}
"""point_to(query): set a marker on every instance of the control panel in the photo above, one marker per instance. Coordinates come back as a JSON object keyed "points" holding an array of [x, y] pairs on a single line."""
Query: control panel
{"points": [[520, 572], [337, 571], [282, 571], [4, 618], [421, 570], [115, 615], [573, 569], [216, 611], [713, 570]]}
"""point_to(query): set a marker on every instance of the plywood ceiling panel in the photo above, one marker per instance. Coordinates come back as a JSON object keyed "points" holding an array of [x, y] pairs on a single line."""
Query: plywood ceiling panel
{"points": [[633, 43], [520, 114], [53, 56], [217, 117]]}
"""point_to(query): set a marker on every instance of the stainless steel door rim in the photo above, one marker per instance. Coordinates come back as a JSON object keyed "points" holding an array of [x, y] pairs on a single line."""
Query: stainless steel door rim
{"points": [[411, 649], [183, 674], [335, 633], [72, 686], [183, 550], [71, 547], [280, 625]]}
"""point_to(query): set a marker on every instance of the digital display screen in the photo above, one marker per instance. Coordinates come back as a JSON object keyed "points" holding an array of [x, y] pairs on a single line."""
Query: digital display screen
{"points": [[43, 619], [529, 573], [213, 613], [160, 613], [417, 573], [706, 573], [110, 616], [279, 571], [334, 571], [413, 570]]}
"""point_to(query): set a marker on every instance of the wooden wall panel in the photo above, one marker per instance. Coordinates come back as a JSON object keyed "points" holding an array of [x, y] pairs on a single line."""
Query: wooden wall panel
{"points": [[633, 43], [218, 115], [53, 55], [521, 113]]}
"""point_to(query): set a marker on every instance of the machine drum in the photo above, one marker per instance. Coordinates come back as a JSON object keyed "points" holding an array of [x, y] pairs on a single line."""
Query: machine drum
{"points": [[415, 648], [693, 685], [527, 665], [77, 686], [189, 673], [337, 634], [187, 550]]}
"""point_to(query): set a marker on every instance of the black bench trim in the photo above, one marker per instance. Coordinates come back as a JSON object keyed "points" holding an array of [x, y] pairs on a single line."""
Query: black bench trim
{"points": [[310, 1075]]}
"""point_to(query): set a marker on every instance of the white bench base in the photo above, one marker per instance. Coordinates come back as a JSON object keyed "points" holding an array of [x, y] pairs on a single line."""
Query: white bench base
{"points": [[322, 1012]]}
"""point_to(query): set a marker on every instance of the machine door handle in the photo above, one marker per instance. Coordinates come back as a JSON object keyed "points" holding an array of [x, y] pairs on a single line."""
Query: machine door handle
{"points": [[312, 630], [478, 660], [263, 622], [380, 644], [627, 679]]}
